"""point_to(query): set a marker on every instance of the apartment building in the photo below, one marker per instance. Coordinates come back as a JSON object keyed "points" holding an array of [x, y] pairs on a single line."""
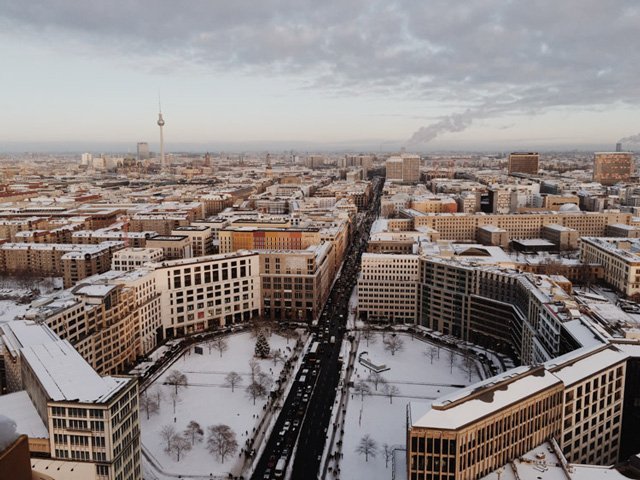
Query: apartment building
{"points": [[296, 283], [388, 288], [94, 237], [215, 203], [173, 246], [620, 258], [576, 399], [162, 223], [73, 416], [257, 238], [132, 258], [111, 320], [70, 261]]}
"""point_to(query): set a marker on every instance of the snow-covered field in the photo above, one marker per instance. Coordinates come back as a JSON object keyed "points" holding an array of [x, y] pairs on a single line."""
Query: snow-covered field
{"points": [[417, 379], [13, 293], [209, 402]]}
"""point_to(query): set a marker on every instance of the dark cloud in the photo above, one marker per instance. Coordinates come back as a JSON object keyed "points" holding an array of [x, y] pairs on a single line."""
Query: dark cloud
{"points": [[490, 57]]}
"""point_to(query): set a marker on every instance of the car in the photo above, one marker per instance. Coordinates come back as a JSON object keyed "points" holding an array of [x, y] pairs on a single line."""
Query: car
{"points": [[287, 425], [267, 474], [305, 398], [296, 423]]}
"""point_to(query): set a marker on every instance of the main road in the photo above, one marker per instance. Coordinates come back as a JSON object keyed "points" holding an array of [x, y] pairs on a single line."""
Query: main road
{"points": [[306, 412]]}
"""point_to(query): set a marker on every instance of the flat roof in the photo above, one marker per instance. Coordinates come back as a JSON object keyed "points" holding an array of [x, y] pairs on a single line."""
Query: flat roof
{"points": [[66, 376], [18, 407]]}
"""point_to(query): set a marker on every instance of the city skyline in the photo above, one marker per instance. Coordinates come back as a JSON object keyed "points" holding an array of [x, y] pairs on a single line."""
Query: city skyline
{"points": [[336, 77]]}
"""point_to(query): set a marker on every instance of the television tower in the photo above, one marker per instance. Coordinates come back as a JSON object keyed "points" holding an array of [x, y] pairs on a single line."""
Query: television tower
{"points": [[161, 124]]}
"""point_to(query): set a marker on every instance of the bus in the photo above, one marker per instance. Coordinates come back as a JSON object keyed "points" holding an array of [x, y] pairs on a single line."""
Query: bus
{"points": [[280, 466]]}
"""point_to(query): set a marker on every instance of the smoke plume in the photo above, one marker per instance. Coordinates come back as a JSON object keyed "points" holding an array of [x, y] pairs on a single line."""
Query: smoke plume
{"points": [[631, 139]]}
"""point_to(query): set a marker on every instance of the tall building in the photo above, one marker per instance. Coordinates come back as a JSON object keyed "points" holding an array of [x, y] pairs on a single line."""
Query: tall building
{"points": [[523, 162], [404, 168], [161, 125], [143, 150], [610, 168]]}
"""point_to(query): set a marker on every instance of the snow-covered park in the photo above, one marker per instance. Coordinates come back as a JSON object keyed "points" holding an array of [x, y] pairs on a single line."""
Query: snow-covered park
{"points": [[208, 400], [418, 372]]}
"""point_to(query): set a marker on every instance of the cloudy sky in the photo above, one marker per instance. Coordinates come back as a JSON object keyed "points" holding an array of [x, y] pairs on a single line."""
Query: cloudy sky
{"points": [[426, 74]]}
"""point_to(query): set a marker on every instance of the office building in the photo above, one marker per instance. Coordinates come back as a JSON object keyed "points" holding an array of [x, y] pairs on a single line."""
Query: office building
{"points": [[143, 151], [523, 162], [610, 168], [403, 169]]}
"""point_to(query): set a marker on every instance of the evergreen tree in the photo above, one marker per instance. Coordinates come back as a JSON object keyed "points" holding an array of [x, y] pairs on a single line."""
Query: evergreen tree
{"points": [[262, 346]]}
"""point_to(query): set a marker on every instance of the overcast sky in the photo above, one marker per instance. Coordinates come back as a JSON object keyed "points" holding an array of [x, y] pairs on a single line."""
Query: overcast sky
{"points": [[426, 74]]}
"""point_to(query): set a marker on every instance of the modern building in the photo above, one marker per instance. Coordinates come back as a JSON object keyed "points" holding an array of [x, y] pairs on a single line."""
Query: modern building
{"points": [[295, 284], [132, 258], [173, 246], [143, 151], [610, 168], [403, 169], [256, 238], [576, 399], [523, 162], [70, 413], [620, 258], [388, 288]]}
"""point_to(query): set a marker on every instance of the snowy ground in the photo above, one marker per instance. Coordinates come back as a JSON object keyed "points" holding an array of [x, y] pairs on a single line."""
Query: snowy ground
{"points": [[417, 379], [16, 294], [207, 401]]}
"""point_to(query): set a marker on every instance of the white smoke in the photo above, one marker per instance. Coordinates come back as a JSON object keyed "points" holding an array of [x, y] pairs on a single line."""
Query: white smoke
{"points": [[456, 122], [8, 432]]}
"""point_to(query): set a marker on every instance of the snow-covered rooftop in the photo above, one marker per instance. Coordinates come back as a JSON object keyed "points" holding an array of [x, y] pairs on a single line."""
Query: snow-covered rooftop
{"points": [[66, 376], [18, 407]]}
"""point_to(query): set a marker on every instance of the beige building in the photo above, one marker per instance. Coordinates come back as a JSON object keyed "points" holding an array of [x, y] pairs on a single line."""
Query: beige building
{"points": [[462, 227], [173, 246], [575, 399], [495, 236], [200, 236], [618, 257], [388, 288], [296, 283], [564, 237], [403, 169], [523, 162], [70, 261], [133, 258], [84, 419], [205, 292], [610, 168]]}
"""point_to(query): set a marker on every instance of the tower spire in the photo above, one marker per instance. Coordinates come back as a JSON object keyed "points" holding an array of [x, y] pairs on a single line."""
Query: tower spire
{"points": [[161, 124]]}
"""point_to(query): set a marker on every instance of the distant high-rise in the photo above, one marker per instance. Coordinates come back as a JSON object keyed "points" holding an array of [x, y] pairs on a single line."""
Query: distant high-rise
{"points": [[161, 124], [610, 168], [404, 168], [523, 162], [143, 150], [86, 159], [619, 147]]}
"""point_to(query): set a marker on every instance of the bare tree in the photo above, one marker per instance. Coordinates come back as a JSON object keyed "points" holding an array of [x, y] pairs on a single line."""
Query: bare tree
{"points": [[278, 357], [167, 433], [388, 454], [233, 379], [362, 388], [194, 432], [367, 447], [156, 394], [254, 366], [259, 387], [393, 343], [289, 334], [177, 379], [219, 343], [368, 334], [148, 404], [179, 446], [391, 391], [469, 365], [221, 441], [175, 398], [431, 353], [377, 379], [452, 360]]}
